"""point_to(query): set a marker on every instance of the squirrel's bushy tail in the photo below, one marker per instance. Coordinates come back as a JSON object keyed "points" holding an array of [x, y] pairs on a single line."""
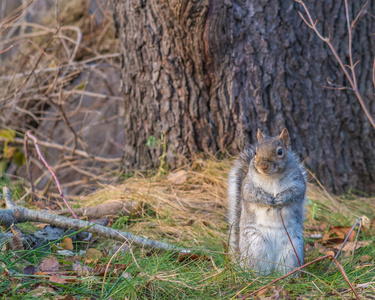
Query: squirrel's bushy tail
{"points": [[235, 179]]}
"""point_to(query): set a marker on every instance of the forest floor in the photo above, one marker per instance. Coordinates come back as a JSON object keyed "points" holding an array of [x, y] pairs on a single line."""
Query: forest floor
{"points": [[188, 208]]}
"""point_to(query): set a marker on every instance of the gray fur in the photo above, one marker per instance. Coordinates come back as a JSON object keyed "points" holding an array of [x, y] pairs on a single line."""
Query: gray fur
{"points": [[257, 236]]}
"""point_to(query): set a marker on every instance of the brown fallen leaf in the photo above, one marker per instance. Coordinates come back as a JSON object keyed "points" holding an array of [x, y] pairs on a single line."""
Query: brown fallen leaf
{"points": [[40, 273], [365, 258], [343, 230], [337, 235], [264, 291], [57, 279], [350, 246], [92, 255], [99, 270], [49, 264], [66, 244], [42, 290], [82, 270], [16, 241], [322, 249]]}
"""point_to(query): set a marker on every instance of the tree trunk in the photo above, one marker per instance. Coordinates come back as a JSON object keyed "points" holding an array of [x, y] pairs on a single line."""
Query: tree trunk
{"points": [[209, 73]]}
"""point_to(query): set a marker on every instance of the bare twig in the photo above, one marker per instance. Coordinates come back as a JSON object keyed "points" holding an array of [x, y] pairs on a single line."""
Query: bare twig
{"points": [[109, 263], [29, 135], [305, 265], [26, 150], [352, 79], [356, 239], [290, 240], [65, 148], [346, 239], [17, 214]]}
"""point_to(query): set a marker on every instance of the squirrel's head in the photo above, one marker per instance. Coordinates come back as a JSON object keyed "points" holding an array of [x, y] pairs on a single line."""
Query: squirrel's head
{"points": [[271, 153]]}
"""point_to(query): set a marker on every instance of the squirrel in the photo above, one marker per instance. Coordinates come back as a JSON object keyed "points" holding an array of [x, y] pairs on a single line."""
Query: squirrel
{"points": [[267, 180]]}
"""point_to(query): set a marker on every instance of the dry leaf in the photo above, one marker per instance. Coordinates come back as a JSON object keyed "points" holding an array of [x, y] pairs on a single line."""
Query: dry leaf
{"points": [[350, 245], [41, 290], [343, 230], [263, 292], [50, 264], [40, 273], [365, 258], [57, 279], [92, 255], [320, 248], [337, 235], [16, 241], [82, 270], [66, 244]]}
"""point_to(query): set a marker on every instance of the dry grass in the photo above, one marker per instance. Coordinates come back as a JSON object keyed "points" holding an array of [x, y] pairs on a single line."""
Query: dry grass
{"points": [[176, 211], [195, 209]]}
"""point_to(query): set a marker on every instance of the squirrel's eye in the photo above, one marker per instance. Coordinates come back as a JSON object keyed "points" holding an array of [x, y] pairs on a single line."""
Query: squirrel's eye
{"points": [[280, 152]]}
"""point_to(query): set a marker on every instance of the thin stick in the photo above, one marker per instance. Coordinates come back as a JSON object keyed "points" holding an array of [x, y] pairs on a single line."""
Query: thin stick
{"points": [[26, 150], [356, 240], [350, 42], [65, 148], [29, 135], [305, 265], [346, 239], [108, 264], [290, 240]]}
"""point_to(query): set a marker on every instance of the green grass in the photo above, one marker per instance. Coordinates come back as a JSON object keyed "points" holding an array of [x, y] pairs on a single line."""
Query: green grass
{"points": [[160, 275]]}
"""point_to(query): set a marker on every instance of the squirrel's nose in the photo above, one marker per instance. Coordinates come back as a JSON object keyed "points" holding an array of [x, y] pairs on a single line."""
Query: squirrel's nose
{"points": [[264, 166]]}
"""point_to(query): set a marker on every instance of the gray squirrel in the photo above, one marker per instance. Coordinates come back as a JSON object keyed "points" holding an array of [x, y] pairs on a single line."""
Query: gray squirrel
{"points": [[265, 181]]}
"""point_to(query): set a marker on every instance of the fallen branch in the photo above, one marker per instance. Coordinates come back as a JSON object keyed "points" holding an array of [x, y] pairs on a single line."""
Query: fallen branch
{"points": [[13, 214], [305, 265]]}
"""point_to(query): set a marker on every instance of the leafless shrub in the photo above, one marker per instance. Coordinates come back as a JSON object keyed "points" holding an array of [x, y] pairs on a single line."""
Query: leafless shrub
{"points": [[59, 78]]}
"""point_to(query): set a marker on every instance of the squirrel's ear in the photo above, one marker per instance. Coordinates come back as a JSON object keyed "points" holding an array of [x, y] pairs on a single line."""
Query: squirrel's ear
{"points": [[259, 135], [284, 136]]}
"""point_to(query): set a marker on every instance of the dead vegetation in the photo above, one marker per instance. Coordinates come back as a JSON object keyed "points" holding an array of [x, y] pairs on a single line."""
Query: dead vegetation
{"points": [[59, 78], [194, 199]]}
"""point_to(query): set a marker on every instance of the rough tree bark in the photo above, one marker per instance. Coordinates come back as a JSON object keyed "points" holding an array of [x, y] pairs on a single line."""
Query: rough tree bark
{"points": [[209, 73]]}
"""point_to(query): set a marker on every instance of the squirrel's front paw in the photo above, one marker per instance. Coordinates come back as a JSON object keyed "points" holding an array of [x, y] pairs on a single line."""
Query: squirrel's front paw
{"points": [[277, 201]]}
